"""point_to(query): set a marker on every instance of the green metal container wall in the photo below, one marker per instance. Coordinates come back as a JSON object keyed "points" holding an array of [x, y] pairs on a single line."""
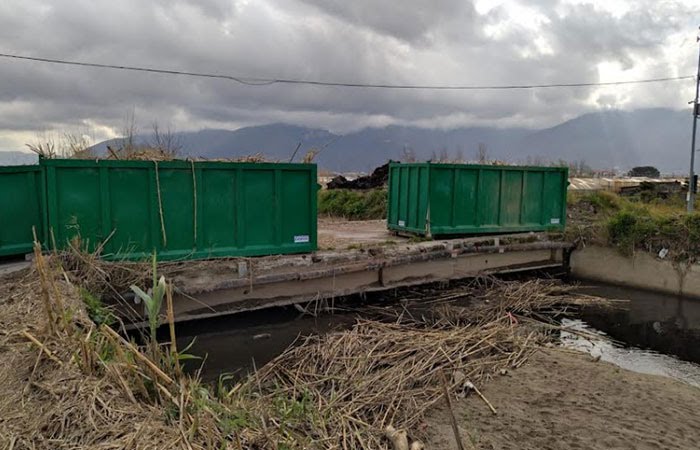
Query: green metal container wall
{"points": [[21, 208], [450, 199], [182, 209]]}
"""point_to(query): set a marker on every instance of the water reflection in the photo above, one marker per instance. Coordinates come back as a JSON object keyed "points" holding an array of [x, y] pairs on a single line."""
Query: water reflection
{"points": [[664, 323], [630, 358], [238, 344], [650, 327]]}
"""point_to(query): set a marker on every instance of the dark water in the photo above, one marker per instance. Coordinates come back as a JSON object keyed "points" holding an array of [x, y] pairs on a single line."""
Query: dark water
{"points": [[652, 333], [665, 323], [656, 334], [237, 344]]}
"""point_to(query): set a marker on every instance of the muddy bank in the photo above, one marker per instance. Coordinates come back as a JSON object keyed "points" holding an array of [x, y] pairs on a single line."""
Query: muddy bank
{"points": [[564, 400]]}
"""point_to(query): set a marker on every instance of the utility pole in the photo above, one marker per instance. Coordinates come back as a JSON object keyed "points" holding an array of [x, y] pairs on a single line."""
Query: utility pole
{"points": [[692, 185]]}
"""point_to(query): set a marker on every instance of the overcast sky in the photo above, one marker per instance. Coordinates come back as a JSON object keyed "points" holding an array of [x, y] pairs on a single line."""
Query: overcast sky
{"points": [[399, 41]]}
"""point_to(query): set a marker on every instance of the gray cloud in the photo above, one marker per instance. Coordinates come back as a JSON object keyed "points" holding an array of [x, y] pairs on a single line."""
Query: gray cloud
{"points": [[410, 20], [417, 41], [593, 34]]}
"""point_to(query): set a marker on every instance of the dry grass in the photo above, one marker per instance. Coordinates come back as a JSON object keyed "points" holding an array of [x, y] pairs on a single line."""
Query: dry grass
{"points": [[355, 383], [140, 153], [157, 154], [358, 382], [68, 383]]}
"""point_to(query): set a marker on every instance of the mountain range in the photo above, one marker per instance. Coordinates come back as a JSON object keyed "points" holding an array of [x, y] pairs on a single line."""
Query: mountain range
{"points": [[15, 158], [603, 140]]}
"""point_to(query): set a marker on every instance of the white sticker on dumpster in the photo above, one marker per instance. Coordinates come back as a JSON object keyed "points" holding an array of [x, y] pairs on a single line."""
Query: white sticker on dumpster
{"points": [[402, 223], [554, 221], [301, 239]]}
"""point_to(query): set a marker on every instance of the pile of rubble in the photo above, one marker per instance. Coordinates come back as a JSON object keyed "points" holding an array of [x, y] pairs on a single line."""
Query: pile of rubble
{"points": [[377, 179]]}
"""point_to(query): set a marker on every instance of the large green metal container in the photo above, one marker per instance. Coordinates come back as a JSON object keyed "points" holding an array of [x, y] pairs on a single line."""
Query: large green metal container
{"points": [[449, 199], [182, 209], [21, 208]]}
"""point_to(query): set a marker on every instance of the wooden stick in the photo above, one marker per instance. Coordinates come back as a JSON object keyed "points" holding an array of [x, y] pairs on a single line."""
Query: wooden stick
{"points": [[455, 428], [42, 347], [488, 403]]}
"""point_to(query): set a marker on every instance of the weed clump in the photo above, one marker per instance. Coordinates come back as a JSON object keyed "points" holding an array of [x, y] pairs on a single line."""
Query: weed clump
{"points": [[600, 201], [634, 223], [628, 230], [96, 309], [647, 228]]}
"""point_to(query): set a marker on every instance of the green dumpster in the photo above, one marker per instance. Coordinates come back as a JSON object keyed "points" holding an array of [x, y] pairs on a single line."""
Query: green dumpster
{"points": [[21, 208], [181, 209], [462, 199]]}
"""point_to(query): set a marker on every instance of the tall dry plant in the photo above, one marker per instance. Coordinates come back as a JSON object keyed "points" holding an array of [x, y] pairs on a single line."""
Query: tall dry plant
{"points": [[69, 145]]}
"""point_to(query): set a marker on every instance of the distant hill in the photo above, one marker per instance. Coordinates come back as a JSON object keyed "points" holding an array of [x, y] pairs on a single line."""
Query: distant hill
{"points": [[658, 137], [13, 158], [655, 137]]}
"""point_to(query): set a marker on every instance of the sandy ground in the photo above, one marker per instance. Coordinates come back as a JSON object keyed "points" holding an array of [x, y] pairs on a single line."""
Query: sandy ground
{"points": [[338, 234], [562, 400]]}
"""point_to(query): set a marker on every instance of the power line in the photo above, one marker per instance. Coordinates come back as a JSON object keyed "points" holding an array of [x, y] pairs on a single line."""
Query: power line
{"points": [[247, 81], [255, 81]]}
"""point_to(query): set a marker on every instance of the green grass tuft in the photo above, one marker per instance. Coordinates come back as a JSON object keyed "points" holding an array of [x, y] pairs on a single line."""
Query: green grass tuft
{"points": [[97, 311]]}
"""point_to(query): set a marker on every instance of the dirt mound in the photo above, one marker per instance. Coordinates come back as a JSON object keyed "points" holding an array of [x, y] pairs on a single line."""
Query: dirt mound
{"points": [[377, 179]]}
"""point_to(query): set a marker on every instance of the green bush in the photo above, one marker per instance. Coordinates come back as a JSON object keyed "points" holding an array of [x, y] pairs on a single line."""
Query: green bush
{"points": [[641, 227], [628, 230], [353, 205]]}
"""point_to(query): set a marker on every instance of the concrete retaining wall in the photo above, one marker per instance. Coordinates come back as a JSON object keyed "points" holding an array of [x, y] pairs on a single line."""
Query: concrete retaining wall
{"points": [[642, 270]]}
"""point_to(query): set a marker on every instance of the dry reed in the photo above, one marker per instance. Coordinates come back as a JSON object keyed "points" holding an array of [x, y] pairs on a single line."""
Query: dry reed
{"points": [[76, 385]]}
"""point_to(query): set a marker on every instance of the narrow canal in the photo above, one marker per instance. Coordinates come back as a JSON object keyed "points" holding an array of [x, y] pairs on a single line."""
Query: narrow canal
{"points": [[651, 333]]}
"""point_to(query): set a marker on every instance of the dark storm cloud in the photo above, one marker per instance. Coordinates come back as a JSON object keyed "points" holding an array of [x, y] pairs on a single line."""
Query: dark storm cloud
{"points": [[416, 41]]}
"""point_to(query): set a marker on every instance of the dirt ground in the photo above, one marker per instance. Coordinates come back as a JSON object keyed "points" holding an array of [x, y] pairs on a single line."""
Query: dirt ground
{"points": [[563, 400], [338, 234]]}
